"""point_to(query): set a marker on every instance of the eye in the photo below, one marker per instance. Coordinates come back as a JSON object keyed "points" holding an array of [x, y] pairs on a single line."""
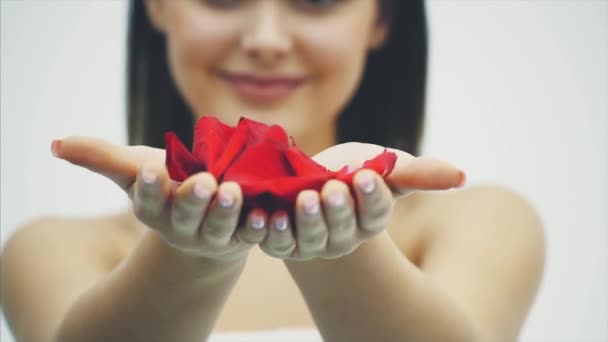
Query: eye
{"points": [[316, 5], [222, 3]]}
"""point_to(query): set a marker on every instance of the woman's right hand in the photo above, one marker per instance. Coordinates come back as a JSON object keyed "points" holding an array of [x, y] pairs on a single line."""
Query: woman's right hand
{"points": [[197, 216]]}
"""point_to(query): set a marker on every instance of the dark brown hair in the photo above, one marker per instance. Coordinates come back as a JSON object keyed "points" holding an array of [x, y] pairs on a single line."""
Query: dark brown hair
{"points": [[387, 109]]}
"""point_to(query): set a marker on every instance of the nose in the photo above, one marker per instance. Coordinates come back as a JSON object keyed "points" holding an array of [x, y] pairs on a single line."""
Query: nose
{"points": [[265, 39]]}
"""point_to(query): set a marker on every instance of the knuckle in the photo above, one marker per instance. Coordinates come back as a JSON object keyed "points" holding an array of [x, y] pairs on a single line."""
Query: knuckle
{"points": [[182, 217], [284, 249], [250, 239], [279, 250], [310, 221], [179, 241], [313, 240], [374, 226], [302, 258], [143, 212], [148, 203], [342, 230], [379, 209], [210, 248], [216, 230], [309, 253], [341, 249], [342, 220], [147, 191]]}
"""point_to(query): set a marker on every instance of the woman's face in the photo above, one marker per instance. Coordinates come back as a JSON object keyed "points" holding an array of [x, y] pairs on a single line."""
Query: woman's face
{"points": [[296, 63]]}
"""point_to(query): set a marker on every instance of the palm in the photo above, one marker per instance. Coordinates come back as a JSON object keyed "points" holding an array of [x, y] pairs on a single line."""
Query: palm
{"points": [[118, 163], [410, 173], [122, 163]]}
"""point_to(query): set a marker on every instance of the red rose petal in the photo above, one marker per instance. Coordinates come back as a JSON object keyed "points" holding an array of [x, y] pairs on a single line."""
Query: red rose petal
{"points": [[259, 162], [258, 157], [179, 161], [248, 133], [231, 150], [382, 164], [259, 131], [301, 163], [279, 193], [210, 139]]}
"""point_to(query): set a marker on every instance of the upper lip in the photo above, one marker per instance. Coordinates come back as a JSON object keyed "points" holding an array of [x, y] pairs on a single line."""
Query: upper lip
{"points": [[262, 79]]}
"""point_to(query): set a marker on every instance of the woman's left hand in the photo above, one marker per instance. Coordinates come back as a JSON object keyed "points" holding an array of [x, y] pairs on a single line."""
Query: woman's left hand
{"points": [[332, 223]]}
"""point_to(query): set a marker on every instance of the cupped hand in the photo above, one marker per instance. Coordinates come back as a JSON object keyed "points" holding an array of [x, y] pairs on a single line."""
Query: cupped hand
{"points": [[335, 221], [198, 216]]}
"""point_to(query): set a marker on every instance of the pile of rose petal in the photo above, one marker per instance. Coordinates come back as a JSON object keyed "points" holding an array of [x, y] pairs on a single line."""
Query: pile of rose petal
{"points": [[270, 171]]}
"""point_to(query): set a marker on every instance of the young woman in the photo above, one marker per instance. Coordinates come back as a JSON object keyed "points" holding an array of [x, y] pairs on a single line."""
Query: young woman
{"points": [[433, 266]]}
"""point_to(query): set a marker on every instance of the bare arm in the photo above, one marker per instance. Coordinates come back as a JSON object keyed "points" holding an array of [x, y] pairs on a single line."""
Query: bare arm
{"points": [[156, 294], [476, 282], [172, 285]]}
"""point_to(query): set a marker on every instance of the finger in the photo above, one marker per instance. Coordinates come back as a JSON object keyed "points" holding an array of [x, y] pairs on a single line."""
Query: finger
{"points": [[152, 191], [222, 218], [374, 203], [255, 229], [423, 173], [118, 163], [190, 203], [340, 218], [279, 242], [311, 231]]}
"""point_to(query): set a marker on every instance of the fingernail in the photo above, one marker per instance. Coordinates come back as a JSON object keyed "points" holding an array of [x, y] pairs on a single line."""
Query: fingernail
{"points": [[366, 183], [55, 146], [148, 177], [201, 191], [463, 179], [311, 206], [337, 199], [257, 221], [225, 200], [280, 223]]}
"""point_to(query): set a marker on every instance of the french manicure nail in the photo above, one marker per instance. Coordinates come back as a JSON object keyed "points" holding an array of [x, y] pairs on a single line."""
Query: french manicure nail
{"points": [[55, 146], [280, 223], [148, 177], [311, 206], [463, 179], [225, 200], [201, 191], [337, 199], [366, 184], [257, 221]]}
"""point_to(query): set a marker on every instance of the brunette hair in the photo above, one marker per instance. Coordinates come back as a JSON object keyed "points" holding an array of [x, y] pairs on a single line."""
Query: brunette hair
{"points": [[387, 109]]}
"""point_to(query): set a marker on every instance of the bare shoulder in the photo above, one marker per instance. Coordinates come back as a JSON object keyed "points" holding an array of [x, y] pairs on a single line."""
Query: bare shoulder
{"points": [[59, 256], [439, 211], [101, 239], [485, 245]]}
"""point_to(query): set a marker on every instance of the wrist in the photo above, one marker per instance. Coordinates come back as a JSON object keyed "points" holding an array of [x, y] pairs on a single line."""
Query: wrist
{"points": [[186, 266]]}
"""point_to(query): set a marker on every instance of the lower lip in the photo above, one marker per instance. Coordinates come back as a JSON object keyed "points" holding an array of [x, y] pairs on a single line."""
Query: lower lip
{"points": [[262, 91]]}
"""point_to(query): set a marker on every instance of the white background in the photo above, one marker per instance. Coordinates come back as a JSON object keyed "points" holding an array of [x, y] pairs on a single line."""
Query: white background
{"points": [[518, 95]]}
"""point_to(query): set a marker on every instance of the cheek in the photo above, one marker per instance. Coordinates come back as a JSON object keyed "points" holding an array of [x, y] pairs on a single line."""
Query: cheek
{"points": [[338, 54], [196, 42]]}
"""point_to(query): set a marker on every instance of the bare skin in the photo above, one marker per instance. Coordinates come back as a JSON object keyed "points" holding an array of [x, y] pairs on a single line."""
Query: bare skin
{"points": [[439, 225], [460, 265]]}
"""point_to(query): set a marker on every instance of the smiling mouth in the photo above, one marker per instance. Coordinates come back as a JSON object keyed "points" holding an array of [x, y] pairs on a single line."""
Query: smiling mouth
{"points": [[262, 89]]}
